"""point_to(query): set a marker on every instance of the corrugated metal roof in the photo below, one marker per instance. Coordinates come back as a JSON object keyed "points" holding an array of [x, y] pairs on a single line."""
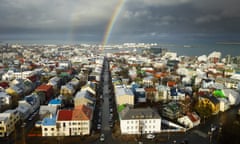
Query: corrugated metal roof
{"points": [[120, 91], [139, 113]]}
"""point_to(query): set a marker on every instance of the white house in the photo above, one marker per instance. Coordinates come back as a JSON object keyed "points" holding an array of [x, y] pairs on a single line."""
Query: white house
{"points": [[233, 96], [5, 99], [76, 122], [139, 121], [8, 120], [224, 104], [10, 75], [190, 120], [49, 127]]}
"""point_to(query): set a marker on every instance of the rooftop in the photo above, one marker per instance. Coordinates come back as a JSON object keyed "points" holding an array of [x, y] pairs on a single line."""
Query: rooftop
{"points": [[64, 115], [49, 121]]}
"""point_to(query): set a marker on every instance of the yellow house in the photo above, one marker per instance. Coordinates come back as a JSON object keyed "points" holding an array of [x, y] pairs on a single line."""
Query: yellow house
{"points": [[124, 95], [211, 102]]}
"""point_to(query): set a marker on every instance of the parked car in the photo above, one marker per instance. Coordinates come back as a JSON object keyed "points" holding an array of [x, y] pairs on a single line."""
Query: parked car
{"points": [[102, 137], [99, 126], [150, 136]]}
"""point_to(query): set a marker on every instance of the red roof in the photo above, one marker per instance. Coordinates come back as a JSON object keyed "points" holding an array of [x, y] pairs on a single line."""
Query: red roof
{"points": [[171, 83], [4, 85], [82, 112], [64, 115], [192, 117], [33, 78], [44, 87]]}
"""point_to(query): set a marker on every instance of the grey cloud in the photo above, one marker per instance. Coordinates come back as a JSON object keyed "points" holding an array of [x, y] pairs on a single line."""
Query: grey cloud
{"points": [[207, 18], [143, 19]]}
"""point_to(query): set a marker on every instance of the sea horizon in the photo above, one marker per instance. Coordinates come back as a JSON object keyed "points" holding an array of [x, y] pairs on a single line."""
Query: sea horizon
{"points": [[181, 47]]}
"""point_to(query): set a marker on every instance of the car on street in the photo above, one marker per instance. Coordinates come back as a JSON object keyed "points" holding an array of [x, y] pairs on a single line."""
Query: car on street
{"points": [[102, 137], [99, 126], [150, 136]]}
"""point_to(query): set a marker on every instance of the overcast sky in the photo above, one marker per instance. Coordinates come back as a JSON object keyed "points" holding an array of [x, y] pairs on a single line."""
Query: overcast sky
{"points": [[138, 21]]}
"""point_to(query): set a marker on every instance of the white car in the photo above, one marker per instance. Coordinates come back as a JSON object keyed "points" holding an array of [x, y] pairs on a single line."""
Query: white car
{"points": [[150, 136], [99, 126], [102, 137]]}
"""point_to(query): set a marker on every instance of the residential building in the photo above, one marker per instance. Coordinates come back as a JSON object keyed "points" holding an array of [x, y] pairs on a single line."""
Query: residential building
{"points": [[49, 127], [210, 101], [140, 95], [84, 97], [171, 110], [124, 95], [139, 121], [232, 96], [190, 120], [8, 121], [5, 100], [90, 87], [57, 102], [74, 122], [45, 93]]}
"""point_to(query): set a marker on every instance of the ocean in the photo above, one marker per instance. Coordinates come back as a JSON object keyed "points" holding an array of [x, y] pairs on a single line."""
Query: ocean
{"points": [[203, 49], [182, 49]]}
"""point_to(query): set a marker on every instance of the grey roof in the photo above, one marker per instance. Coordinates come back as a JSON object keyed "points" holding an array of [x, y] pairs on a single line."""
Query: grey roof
{"points": [[120, 91], [139, 113], [84, 94]]}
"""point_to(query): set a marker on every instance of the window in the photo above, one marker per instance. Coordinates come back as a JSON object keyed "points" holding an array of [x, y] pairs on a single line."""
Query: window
{"points": [[52, 129], [45, 129]]}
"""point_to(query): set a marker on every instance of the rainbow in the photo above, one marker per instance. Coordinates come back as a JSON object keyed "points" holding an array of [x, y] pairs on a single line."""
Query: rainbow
{"points": [[111, 22]]}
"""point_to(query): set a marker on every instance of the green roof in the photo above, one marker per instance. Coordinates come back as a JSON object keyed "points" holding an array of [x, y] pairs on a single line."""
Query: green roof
{"points": [[121, 107], [219, 93]]}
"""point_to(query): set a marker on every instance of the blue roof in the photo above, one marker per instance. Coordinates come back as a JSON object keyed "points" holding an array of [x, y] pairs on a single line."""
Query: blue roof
{"points": [[55, 101], [49, 121]]}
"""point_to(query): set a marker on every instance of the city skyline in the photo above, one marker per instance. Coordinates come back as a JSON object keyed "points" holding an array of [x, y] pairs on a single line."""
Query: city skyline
{"points": [[131, 21]]}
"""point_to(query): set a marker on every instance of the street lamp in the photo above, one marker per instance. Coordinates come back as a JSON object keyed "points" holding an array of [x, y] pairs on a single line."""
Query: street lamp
{"points": [[210, 136], [23, 131]]}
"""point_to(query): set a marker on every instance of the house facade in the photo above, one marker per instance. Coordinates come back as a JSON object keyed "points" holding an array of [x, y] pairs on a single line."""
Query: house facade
{"points": [[124, 95], [139, 121], [8, 121], [76, 122]]}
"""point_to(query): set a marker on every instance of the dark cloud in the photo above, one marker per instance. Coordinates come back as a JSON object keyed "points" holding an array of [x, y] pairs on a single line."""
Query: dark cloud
{"points": [[143, 20]]}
